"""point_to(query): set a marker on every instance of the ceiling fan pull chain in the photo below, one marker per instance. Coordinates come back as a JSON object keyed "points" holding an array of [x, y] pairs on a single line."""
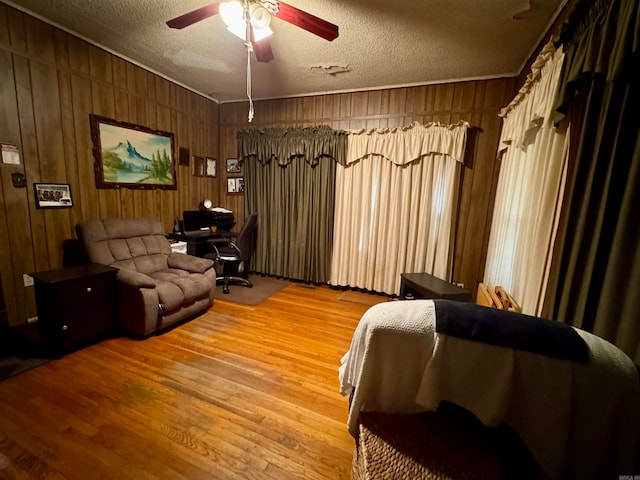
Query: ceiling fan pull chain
{"points": [[249, 82], [249, 52]]}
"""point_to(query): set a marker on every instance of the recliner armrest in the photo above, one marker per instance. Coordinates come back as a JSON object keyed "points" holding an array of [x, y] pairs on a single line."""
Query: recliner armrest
{"points": [[189, 263], [135, 279]]}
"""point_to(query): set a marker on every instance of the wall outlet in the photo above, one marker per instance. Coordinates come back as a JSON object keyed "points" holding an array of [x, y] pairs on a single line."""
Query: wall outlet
{"points": [[27, 279], [32, 320]]}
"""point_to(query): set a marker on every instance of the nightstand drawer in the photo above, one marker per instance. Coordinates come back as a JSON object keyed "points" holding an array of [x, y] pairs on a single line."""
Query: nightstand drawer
{"points": [[90, 290]]}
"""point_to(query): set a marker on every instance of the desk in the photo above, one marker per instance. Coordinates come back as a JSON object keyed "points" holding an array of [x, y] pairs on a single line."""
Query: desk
{"points": [[424, 285], [198, 246]]}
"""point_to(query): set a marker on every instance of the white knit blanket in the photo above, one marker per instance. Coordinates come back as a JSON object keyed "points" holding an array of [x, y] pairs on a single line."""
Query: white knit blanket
{"points": [[579, 420]]}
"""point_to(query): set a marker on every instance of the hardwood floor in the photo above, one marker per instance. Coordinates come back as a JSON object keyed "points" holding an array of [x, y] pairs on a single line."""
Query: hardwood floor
{"points": [[239, 392]]}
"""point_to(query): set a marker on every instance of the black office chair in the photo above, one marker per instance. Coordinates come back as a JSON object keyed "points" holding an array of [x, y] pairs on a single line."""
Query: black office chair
{"points": [[234, 256]]}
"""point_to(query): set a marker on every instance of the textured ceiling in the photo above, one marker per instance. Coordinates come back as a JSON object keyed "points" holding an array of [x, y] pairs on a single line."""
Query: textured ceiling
{"points": [[381, 43]]}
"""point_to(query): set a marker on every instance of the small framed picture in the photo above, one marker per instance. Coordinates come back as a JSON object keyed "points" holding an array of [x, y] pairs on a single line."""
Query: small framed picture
{"points": [[211, 167], [233, 165], [235, 185], [198, 166], [53, 195], [183, 156]]}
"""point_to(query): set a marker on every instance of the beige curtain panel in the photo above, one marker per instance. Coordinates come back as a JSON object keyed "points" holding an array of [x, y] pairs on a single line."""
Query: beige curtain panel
{"points": [[395, 205], [530, 187]]}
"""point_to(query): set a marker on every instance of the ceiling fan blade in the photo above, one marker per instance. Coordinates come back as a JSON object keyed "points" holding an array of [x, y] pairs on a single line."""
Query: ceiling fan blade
{"points": [[262, 49], [307, 22], [194, 16]]}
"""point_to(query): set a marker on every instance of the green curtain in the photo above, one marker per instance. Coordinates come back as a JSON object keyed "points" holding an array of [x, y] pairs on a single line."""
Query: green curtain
{"points": [[290, 184], [595, 277]]}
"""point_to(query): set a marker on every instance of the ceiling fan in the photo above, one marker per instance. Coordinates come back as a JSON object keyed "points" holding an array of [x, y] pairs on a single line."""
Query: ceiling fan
{"points": [[250, 20]]}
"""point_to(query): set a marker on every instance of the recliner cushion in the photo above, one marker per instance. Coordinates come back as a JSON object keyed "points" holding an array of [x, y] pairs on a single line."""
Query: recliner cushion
{"points": [[118, 241], [149, 263], [177, 287]]}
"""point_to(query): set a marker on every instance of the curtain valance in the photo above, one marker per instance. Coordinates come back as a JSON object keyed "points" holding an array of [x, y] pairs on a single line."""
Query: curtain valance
{"points": [[599, 38], [409, 144], [284, 144], [534, 105]]}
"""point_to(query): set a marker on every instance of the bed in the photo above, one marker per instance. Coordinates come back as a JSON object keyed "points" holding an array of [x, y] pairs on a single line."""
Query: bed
{"points": [[571, 397]]}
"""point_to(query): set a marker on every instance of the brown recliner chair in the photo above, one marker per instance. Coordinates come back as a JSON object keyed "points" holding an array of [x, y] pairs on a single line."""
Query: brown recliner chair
{"points": [[156, 287]]}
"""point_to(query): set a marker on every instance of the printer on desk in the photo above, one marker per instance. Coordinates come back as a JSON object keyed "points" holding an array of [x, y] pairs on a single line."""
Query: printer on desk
{"points": [[200, 222]]}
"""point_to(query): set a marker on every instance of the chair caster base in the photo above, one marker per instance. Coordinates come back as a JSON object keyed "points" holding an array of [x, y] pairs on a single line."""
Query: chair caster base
{"points": [[227, 281]]}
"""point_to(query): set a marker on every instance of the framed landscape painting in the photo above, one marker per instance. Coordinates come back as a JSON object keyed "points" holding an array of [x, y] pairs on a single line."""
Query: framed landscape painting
{"points": [[132, 156]]}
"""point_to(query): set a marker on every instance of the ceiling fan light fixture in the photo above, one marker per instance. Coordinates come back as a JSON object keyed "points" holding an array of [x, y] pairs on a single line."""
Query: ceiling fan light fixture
{"points": [[239, 29], [262, 33], [259, 15], [260, 20], [232, 14]]}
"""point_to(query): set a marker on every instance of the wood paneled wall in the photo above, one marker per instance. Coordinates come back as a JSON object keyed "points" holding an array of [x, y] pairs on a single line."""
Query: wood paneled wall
{"points": [[50, 82], [477, 102]]}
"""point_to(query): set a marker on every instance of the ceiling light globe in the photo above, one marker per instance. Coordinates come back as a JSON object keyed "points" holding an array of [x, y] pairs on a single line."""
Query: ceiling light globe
{"points": [[259, 16], [231, 12], [260, 34]]}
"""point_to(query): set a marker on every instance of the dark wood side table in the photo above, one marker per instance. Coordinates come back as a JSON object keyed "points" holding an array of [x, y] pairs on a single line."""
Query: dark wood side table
{"points": [[424, 285], [76, 306]]}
